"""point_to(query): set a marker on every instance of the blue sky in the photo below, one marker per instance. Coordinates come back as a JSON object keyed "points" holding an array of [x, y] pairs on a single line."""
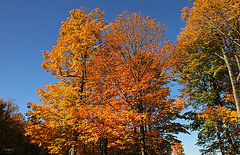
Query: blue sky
{"points": [[29, 26]]}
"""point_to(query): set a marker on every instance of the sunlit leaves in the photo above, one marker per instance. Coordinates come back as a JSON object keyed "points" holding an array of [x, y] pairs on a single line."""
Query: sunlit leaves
{"points": [[219, 113], [61, 119], [80, 35], [178, 148], [134, 81], [113, 89]]}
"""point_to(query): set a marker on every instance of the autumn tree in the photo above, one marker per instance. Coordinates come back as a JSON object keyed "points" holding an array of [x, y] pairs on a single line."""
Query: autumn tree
{"points": [[212, 26], [133, 85], [113, 95], [12, 132], [206, 87], [11, 127], [208, 62], [219, 131], [61, 121]]}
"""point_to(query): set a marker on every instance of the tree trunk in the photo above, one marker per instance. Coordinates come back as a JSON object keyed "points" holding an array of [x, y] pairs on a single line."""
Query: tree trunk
{"points": [[92, 148], [225, 127], [230, 139], [142, 140], [234, 84], [105, 143], [142, 130], [136, 142], [220, 141], [73, 152], [101, 146], [84, 149]]}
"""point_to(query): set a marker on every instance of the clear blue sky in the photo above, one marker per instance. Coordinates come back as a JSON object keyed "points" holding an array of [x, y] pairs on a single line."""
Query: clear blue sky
{"points": [[29, 26]]}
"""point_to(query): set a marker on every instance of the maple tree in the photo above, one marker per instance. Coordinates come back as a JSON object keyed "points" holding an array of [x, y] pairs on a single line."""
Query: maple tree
{"points": [[114, 89], [59, 123], [133, 82]]}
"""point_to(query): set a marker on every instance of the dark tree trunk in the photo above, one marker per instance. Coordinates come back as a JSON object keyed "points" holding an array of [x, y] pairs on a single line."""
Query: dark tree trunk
{"points": [[92, 148], [142, 140], [105, 146], [220, 141]]}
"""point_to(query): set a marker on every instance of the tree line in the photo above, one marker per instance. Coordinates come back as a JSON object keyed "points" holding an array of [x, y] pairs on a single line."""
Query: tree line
{"points": [[114, 80], [12, 131]]}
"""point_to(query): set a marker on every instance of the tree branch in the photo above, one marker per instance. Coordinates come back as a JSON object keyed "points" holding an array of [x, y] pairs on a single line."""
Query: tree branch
{"points": [[221, 32]]}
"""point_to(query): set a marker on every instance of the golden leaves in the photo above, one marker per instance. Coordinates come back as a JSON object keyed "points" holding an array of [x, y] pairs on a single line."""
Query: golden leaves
{"points": [[108, 90], [209, 18], [134, 66], [219, 113], [177, 148], [80, 35]]}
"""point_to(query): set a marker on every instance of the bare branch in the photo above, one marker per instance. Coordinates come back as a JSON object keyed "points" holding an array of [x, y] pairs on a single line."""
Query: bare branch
{"points": [[238, 78], [68, 76], [220, 31]]}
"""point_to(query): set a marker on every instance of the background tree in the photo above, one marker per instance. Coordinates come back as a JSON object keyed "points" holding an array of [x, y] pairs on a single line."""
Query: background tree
{"points": [[204, 49], [12, 132], [213, 26]]}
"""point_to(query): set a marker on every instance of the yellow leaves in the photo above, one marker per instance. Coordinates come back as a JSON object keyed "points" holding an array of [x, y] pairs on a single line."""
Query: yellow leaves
{"points": [[209, 17], [178, 104], [219, 113], [185, 13], [80, 34]]}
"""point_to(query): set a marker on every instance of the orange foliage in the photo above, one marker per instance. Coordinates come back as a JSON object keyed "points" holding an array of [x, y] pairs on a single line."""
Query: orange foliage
{"points": [[117, 90], [219, 113], [132, 79], [229, 97], [60, 122], [177, 148]]}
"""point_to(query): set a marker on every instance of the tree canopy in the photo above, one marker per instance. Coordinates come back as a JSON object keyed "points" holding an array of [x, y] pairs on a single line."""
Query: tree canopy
{"points": [[207, 60], [113, 92]]}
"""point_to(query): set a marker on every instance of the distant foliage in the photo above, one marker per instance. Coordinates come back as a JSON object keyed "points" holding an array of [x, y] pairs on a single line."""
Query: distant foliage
{"points": [[12, 132]]}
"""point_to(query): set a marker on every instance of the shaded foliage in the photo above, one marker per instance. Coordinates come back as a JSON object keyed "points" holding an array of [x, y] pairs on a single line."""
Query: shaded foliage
{"points": [[207, 60], [12, 132]]}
